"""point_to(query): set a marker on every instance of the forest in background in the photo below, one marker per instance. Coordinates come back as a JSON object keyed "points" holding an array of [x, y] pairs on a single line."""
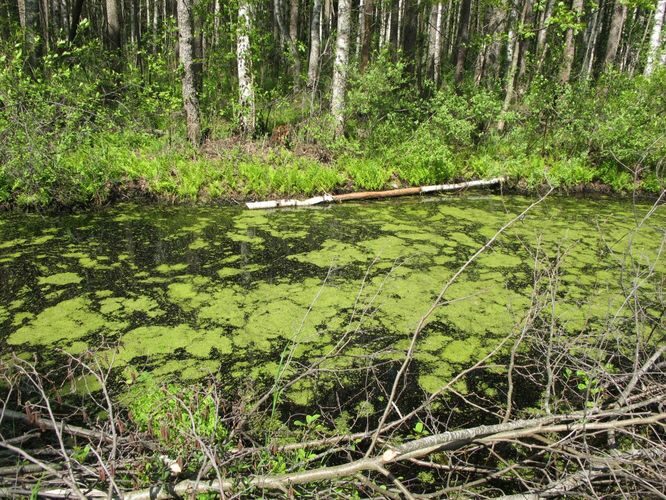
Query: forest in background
{"points": [[196, 100]]}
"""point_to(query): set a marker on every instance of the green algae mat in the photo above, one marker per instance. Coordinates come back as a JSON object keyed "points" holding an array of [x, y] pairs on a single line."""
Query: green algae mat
{"points": [[188, 291]]}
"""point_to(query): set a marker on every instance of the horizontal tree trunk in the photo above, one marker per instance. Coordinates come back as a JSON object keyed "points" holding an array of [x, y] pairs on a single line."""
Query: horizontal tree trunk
{"points": [[367, 195]]}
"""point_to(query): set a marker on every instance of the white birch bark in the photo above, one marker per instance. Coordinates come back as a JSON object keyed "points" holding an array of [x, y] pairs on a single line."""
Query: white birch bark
{"points": [[243, 56], [655, 38], [340, 69], [437, 59]]}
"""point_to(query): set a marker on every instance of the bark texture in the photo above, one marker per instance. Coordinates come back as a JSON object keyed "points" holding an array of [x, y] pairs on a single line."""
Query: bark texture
{"points": [[655, 38], [245, 83], [341, 62], [185, 51]]}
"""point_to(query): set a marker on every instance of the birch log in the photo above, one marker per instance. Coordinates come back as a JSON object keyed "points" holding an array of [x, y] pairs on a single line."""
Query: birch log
{"points": [[366, 195]]}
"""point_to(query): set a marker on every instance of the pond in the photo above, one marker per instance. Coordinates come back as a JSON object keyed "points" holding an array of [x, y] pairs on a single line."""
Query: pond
{"points": [[189, 291]]}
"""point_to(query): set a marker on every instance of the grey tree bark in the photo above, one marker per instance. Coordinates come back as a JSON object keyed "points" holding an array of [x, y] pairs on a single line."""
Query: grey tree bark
{"points": [[655, 38], [185, 52], [29, 20], [315, 41], [295, 62], [340, 68], [245, 83], [113, 25], [462, 40], [615, 33], [366, 39], [569, 45]]}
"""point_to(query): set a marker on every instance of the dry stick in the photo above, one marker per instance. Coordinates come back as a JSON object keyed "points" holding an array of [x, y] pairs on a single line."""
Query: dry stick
{"points": [[365, 195], [413, 449], [434, 306], [72, 430]]}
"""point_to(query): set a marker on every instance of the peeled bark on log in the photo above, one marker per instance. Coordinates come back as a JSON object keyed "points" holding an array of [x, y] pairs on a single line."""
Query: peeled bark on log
{"points": [[366, 195]]}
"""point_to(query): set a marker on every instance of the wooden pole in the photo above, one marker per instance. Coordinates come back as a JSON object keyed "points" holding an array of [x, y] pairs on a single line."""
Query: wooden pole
{"points": [[367, 195]]}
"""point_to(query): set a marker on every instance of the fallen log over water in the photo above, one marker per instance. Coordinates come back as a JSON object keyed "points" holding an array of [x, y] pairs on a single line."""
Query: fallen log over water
{"points": [[367, 195]]}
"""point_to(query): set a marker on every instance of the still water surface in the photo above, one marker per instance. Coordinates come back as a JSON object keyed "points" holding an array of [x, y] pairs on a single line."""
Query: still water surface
{"points": [[188, 291]]}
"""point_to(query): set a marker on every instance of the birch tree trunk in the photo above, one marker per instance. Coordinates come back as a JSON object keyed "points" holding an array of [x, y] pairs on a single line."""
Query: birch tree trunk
{"points": [[437, 56], [513, 69], [340, 68], [315, 41], [245, 84], [569, 45], [615, 33], [185, 52], [655, 38]]}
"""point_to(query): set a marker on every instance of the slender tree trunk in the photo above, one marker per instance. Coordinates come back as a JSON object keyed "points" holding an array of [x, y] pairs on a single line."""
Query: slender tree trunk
{"points": [[315, 41], [655, 38], [569, 45], [245, 83], [45, 24], [437, 55], [615, 33], [279, 20], [432, 33], [295, 63], [400, 24], [359, 28], [462, 40], [29, 20], [591, 44], [185, 51], [216, 23], [367, 34], [513, 70], [340, 68], [542, 36]]}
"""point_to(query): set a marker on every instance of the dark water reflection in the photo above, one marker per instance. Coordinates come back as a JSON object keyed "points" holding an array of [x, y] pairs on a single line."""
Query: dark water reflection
{"points": [[191, 291]]}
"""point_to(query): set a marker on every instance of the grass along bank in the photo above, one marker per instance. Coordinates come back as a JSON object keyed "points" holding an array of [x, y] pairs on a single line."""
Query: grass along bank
{"points": [[129, 165]]}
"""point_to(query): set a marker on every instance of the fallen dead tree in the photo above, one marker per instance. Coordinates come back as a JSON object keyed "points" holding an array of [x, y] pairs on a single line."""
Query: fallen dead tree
{"points": [[367, 195]]}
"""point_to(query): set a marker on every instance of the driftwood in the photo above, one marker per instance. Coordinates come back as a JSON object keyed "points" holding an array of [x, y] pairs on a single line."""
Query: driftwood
{"points": [[367, 195], [44, 424], [485, 434]]}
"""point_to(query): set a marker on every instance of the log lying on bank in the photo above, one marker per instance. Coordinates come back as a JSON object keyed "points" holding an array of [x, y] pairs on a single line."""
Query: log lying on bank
{"points": [[367, 195]]}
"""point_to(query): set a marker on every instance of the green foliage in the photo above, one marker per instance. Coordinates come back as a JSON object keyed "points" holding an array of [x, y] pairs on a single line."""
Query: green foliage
{"points": [[175, 414], [366, 173]]}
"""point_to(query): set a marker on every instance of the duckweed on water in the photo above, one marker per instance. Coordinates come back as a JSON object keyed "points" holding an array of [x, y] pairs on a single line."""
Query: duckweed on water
{"points": [[192, 290], [60, 279]]}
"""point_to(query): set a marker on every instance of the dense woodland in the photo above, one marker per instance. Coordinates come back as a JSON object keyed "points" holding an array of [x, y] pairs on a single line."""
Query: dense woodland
{"points": [[293, 96]]}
